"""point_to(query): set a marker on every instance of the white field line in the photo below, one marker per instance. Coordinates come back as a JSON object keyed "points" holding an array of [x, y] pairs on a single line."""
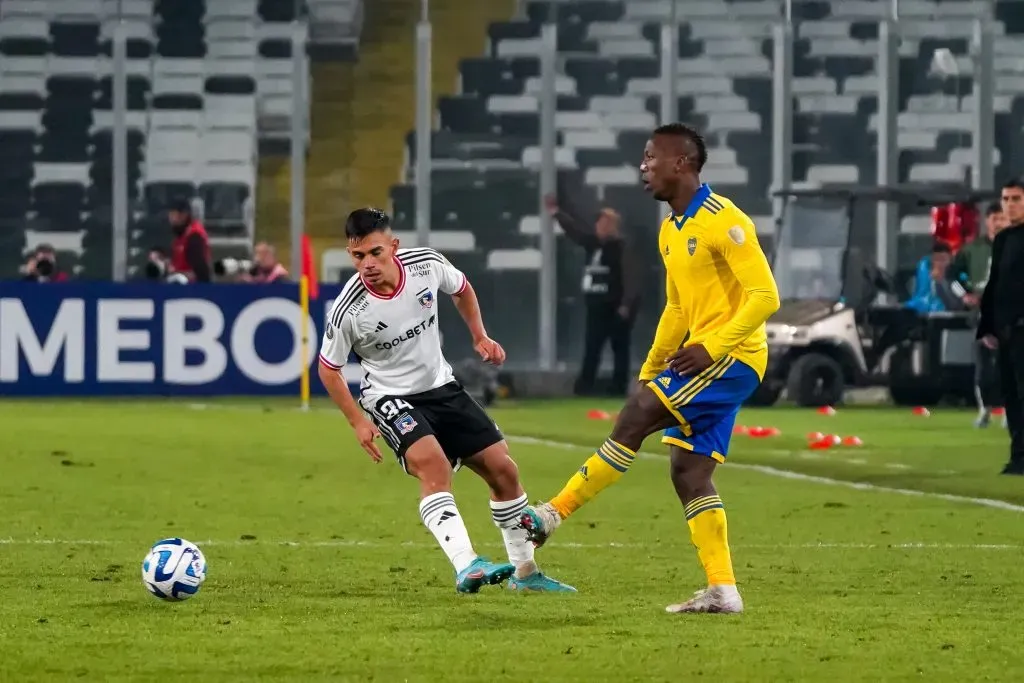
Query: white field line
{"points": [[346, 543], [763, 469]]}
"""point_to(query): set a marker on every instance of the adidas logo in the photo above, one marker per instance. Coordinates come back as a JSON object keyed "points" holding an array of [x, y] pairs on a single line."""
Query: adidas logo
{"points": [[381, 326], [445, 516]]}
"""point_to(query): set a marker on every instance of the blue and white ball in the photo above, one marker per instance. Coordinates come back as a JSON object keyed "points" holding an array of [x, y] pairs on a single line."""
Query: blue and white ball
{"points": [[174, 569]]}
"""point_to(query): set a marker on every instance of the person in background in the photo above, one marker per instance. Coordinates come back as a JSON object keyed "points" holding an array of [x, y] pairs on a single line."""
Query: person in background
{"points": [[968, 276], [610, 287], [41, 266], [265, 266], [190, 251], [1002, 317], [933, 292]]}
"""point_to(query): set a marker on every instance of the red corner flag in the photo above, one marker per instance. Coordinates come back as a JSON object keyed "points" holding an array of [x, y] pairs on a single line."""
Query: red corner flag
{"points": [[309, 268]]}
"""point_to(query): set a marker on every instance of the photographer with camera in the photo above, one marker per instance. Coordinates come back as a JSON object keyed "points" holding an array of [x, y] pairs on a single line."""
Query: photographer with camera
{"points": [[190, 251], [265, 268], [41, 266]]}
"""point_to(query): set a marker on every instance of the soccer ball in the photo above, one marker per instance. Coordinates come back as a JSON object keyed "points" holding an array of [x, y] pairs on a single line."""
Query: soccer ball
{"points": [[174, 569]]}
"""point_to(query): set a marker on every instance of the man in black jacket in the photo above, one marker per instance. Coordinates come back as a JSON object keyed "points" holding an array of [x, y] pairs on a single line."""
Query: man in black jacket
{"points": [[1002, 317], [611, 289]]}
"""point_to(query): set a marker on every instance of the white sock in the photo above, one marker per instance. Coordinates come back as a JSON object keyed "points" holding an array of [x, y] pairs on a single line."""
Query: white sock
{"points": [[520, 549], [440, 515], [726, 590]]}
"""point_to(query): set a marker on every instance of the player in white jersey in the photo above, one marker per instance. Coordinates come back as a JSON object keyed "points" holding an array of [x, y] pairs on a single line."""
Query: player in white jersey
{"points": [[387, 315]]}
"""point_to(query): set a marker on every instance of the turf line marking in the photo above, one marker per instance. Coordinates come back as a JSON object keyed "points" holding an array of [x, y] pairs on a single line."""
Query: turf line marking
{"points": [[799, 476], [763, 469], [343, 543]]}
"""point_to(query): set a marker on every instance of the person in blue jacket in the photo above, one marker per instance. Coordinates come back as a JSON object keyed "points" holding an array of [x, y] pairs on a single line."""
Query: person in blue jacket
{"points": [[933, 292]]}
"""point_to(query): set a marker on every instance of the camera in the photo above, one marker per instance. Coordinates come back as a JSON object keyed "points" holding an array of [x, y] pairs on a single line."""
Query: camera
{"points": [[45, 266], [229, 266], [156, 269]]}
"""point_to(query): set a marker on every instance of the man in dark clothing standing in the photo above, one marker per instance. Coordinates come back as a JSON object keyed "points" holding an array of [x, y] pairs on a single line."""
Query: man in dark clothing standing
{"points": [[610, 288], [968, 277], [1002, 317]]}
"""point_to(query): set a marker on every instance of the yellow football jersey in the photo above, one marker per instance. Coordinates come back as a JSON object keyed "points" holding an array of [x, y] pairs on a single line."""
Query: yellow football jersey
{"points": [[719, 286]]}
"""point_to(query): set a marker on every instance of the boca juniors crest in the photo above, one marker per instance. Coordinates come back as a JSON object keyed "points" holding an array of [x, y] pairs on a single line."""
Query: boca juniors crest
{"points": [[426, 298], [691, 245]]}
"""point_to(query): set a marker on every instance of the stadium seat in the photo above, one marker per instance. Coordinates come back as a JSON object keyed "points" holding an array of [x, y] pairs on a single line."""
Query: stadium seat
{"points": [[198, 87]]}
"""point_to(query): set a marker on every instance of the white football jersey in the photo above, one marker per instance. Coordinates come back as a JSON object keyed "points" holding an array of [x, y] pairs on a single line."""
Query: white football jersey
{"points": [[396, 337]]}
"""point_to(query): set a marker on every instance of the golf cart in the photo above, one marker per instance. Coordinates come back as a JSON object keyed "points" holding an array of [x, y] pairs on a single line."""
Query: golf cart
{"points": [[831, 333]]}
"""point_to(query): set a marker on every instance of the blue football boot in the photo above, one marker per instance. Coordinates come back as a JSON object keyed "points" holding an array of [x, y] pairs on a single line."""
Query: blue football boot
{"points": [[539, 583], [480, 573]]}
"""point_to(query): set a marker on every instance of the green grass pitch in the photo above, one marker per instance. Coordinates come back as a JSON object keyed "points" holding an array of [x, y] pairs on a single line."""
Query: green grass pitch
{"points": [[319, 569]]}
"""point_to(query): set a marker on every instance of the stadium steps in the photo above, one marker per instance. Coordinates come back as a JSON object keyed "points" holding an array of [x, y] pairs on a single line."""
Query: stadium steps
{"points": [[327, 182], [362, 112], [272, 206]]}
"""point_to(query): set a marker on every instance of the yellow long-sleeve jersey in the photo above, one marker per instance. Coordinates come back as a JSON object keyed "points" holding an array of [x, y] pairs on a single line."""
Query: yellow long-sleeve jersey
{"points": [[719, 286]]}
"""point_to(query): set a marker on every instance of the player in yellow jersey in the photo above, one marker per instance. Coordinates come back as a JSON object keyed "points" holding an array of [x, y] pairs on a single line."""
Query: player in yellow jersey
{"points": [[721, 291]]}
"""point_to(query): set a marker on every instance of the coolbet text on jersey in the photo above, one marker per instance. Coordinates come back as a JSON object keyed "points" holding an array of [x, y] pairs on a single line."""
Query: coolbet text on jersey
{"points": [[720, 289]]}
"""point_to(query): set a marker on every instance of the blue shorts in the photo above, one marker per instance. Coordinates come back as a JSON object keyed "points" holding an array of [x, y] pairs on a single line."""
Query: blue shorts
{"points": [[705, 404]]}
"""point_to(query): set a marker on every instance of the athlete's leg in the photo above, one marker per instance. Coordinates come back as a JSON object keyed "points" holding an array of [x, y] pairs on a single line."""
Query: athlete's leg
{"points": [[643, 414], [425, 460], [499, 471], [691, 474]]}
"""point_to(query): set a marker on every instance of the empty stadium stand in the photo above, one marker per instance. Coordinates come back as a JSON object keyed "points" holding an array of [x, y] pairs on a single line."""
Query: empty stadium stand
{"points": [[485, 148], [205, 81]]}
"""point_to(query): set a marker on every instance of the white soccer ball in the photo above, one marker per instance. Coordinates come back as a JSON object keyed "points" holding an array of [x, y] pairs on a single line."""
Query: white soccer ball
{"points": [[174, 569]]}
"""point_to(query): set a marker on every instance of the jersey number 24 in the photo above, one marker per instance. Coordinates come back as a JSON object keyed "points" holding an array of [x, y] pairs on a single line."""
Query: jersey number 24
{"points": [[392, 407]]}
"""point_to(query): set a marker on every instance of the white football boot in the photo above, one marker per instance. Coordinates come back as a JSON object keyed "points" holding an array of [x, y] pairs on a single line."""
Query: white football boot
{"points": [[719, 599], [540, 521]]}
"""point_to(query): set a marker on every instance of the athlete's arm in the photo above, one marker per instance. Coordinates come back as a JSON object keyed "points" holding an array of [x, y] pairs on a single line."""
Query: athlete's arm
{"points": [[334, 352], [469, 308], [454, 282], [672, 328], [738, 246]]}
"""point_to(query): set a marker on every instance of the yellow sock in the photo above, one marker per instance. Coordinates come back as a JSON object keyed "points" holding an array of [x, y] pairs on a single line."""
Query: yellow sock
{"points": [[709, 532], [600, 471]]}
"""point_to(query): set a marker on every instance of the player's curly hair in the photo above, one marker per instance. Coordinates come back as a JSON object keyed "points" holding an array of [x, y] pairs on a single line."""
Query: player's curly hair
{"points": [[690, 133], [363, 222]]}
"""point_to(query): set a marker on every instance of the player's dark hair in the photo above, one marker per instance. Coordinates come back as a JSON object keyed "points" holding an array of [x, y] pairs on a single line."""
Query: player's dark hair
{"points": [[363, 222], [941, 248], [690, 133], [993, 209], [1014, 184]]}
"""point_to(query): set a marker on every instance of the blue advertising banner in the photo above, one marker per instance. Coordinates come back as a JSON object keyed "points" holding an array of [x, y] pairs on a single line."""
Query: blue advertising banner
{"points": [[111, 339]]}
